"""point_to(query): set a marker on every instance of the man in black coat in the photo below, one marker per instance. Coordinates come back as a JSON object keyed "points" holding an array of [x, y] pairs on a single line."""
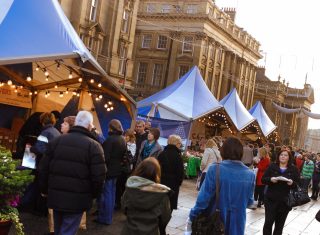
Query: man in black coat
{"points": [[72, 173], [141, 136]]}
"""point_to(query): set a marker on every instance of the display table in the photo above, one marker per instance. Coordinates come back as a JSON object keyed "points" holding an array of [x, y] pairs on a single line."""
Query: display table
{"points": [[193, 166]]}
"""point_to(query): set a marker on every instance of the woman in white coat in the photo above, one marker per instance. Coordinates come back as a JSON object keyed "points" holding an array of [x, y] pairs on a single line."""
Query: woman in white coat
{"points": [[211, 155]]}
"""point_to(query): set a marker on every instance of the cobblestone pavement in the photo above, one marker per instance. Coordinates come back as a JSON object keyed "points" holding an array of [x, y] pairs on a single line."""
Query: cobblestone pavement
{"points": [[300, 220]]}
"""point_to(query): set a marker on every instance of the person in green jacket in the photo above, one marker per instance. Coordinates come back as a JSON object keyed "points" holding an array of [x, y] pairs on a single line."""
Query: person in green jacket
{"points": [[307, 172], [146, 202]]}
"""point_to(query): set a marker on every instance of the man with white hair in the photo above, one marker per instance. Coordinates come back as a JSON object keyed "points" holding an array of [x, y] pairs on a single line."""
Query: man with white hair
{"points": [[72, 173]]}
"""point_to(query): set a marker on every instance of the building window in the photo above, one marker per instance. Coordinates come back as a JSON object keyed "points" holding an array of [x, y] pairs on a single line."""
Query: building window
{"points": [[125, 21], [93, 10], [183, 69], [142, 73], [187, 43], [166, 8], [151, 8], [122, 59], [191, 9], [146, 41], [157, 74], [162, 42]]}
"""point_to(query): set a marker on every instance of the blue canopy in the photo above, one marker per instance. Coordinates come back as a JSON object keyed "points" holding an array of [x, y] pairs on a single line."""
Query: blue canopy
{"points": [[233, 106], [186, 99], [266, 125]]}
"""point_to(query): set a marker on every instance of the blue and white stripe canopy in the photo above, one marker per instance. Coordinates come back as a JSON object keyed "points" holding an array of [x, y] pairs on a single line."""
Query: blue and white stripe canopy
{"points": [[266, 125], [186, 99]]}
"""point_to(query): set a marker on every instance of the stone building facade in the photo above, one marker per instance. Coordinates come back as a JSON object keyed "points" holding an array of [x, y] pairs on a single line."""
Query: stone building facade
{"points": [[107, 28], [172, 36], [292, 128], [312, 142]]}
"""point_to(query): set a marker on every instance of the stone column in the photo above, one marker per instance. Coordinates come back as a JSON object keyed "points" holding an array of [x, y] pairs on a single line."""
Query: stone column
{"points": [[226, 73], [220, 75]]}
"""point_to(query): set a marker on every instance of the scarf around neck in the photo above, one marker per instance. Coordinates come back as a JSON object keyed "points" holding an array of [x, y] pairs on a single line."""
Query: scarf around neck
{"points": [[147, 149]]}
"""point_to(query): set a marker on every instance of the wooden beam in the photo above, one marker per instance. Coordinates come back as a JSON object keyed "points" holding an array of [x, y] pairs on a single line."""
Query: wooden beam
{"points": [[59, 83], [10, 73]]}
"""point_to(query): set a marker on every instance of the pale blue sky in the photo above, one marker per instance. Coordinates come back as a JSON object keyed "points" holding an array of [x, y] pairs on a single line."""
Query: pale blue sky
{"points": [[286, 29]]}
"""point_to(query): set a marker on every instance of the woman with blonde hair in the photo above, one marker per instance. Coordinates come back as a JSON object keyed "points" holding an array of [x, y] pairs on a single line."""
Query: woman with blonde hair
{"points": [[211, 155], [145, 201], [263, 164]]}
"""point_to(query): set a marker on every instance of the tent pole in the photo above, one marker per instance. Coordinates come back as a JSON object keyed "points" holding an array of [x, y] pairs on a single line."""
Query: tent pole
{"points": [[189, 137]]}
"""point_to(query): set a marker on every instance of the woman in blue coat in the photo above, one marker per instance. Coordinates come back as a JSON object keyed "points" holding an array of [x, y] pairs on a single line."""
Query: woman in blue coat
{"points": [[236, 189]]}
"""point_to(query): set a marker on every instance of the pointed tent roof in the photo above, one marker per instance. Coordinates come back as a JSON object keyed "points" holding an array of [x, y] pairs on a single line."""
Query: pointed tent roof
{"points": [[236, 110], [186, 99], [266, 125], [38, 30]]}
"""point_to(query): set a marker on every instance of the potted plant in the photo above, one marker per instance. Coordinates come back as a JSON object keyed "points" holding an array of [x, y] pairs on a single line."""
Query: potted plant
{"points": [[12, 184]]}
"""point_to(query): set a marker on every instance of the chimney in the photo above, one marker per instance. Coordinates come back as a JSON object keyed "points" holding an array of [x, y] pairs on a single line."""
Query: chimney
{"points": [[231, 12]]}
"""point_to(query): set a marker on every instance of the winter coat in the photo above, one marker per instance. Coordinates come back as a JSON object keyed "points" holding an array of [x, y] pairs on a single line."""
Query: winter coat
{"points": [[210, 155], [262, 167], [247, 157], [236, 194], [280, 190], [172, 172], [139, 140], [146, 205], [72, 171], [307, 169], [316, 172], [47, 134], [155, 151], [114, 149]]}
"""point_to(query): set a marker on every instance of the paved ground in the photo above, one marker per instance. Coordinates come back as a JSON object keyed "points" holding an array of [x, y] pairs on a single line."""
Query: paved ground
{"points": [[300, 220]]}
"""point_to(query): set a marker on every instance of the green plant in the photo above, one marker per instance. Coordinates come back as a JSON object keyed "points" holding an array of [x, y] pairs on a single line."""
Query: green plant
{"points": [[12, 184]]}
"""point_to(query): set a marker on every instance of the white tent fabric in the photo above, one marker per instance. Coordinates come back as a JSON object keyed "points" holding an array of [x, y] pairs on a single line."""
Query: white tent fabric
{"points": [[38, 30], [186, 99], [285, 110], [266, 125], [239, 115], [312, 115]]}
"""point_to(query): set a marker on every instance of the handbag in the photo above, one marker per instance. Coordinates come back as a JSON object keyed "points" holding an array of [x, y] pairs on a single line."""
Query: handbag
{"points": [[205, 224], [297, 197]]}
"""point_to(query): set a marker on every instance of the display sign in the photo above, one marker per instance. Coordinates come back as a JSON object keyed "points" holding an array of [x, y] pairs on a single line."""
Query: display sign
{"points": [[16, 97]]}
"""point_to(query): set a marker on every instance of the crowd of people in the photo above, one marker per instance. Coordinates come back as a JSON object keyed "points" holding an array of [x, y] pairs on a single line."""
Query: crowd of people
{"points": [[129, 169]]}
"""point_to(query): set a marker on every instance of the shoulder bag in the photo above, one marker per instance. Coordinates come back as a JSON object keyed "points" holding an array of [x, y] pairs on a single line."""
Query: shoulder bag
{"points": [[297, 197], [205, 224]]}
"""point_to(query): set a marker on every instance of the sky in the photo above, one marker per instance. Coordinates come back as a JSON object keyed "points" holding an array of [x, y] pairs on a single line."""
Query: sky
{"points": [[289, 34]]}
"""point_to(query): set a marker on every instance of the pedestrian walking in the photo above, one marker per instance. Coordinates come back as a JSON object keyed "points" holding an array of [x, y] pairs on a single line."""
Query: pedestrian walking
{"points": [[316, 179], [150, 147], [72, 174], [141, 136], [145, 201], [306, 172], [280, 178], [264, 162], [247, 157], [211, 155], [114, 150], [172, 171], [236, 189], [126, 167]]}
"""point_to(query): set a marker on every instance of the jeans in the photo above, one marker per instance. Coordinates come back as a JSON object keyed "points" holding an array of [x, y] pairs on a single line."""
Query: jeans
{"points": [[107, 201], [66, 223]]}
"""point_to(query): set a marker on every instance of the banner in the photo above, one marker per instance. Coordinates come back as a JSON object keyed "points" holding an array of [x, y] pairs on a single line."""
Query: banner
{"points": [[21, 98]]}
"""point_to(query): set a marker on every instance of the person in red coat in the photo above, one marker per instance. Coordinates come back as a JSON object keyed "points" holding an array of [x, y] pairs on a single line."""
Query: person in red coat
{"points": [[299, 162], [263, 164]]}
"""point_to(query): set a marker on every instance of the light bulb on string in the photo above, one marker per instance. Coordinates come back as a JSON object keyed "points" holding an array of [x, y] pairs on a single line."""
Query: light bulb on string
{"points": [[29, 78], [90, 94], [56, 86], [111, 108], [74, 93], [78, 94], [108, 109], [9, 82], [100, 97], [48, 93], [106, 106], [1, 84], [99, 85], [110, 102], [35, 92], [91, 80], [70, 75], [46, 73], [37, 68], [15, 90], [80, 79], [47, 78], [97, 98], [58, 66], [61, 94], [67, 91], [30, 93], [13, 86]]}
